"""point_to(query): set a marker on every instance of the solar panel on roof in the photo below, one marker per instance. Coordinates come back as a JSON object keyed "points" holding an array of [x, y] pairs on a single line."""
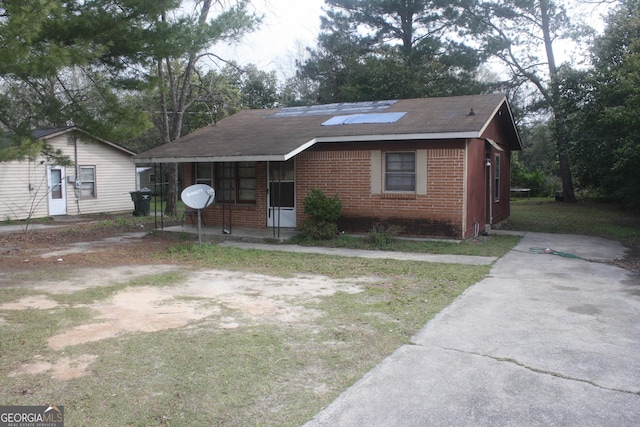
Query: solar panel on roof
{"points": [[339, 108], [367, 118]]}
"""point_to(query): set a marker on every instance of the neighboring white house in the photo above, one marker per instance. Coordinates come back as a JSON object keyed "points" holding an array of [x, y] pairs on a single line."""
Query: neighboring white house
{"points": [[101, 179]]}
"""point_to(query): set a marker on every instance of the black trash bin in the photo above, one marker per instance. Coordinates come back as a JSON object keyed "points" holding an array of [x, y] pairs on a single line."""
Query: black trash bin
{"points": [[141, 202]]}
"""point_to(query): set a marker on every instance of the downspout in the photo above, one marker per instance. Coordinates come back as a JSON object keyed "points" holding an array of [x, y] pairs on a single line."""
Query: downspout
{"points": [[279, 201], [76, 182], [77, 172], [488, 163]]}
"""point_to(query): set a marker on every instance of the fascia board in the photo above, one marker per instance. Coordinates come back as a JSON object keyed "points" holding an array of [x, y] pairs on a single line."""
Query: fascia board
{"points": [[493, 114], [504, 102], [494, 144], [198, 159], [301, 148], [103, 141], [307, 145], [400, 137]]}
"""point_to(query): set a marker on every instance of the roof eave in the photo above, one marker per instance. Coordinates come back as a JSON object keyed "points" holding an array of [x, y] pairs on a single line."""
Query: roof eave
{"points": [[401, 137], [505, 101], [198, 159], [281, 157], [77, 129]]}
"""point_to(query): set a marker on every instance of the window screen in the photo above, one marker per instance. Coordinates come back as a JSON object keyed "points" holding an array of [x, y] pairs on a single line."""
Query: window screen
{"points": [[87, 182], [400, 171]]}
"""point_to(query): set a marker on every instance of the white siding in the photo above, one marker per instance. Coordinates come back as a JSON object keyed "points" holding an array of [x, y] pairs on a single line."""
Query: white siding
{"points": [[23, 190], [115, 178]]}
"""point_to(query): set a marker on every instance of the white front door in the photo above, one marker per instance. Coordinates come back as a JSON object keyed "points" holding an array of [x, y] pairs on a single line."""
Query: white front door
{"points": [[57, 193], [282, 194]]}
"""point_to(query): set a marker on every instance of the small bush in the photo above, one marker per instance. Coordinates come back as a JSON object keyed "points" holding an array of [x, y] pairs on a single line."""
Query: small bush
{"points": [[323, 213], [383, 235], [319, 207]]}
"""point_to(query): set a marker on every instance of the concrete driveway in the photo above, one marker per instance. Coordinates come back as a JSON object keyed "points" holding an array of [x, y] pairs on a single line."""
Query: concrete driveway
{"points": [[545, 340]]}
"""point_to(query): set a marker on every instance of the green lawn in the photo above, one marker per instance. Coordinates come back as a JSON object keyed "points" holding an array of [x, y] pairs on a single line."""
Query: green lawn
{"points": [[589, 218]]}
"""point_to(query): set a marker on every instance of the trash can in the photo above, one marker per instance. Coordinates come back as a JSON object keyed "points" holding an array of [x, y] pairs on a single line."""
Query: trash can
{"points": [[141, 202], [559, 196]]}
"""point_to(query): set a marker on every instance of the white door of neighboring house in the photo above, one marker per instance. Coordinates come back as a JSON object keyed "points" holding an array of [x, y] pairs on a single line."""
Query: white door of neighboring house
{"points": [[57, 194], [282, 194]]}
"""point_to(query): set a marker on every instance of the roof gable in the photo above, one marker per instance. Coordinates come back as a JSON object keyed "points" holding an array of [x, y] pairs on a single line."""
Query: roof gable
{"points": [[279, 134], [47, 134]]}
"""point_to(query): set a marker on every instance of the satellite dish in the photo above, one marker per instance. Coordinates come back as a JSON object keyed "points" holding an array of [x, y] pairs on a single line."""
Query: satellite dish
{"points": [[198, 196]]}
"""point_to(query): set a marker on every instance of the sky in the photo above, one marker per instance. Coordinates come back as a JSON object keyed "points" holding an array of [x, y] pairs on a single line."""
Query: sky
{"points": [[288, 27]]}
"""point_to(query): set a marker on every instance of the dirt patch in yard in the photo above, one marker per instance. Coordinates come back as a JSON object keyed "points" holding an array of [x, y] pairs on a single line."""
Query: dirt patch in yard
{"points": [[244, 298], [251, 298], [83, 256], [63, 369], [49, 263]]}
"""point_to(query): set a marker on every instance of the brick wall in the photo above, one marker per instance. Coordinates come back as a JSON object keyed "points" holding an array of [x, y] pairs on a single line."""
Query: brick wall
{"points": [[347, 173]]}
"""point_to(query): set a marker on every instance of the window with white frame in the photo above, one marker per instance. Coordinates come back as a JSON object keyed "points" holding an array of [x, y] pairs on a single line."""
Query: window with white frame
{"points": [[496, 178], [88, 182], [400, 171]]}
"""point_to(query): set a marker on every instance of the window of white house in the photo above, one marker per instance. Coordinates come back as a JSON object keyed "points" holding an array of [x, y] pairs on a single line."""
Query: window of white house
{"points": [[88, 182], [233, 182], [496, 179], [400, 171]]}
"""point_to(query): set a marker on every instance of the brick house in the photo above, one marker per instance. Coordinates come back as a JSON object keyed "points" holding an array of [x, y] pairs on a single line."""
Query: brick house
{"points": [[437, 167]]}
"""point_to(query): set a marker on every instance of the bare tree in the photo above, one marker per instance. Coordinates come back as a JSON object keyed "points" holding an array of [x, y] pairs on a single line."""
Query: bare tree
{"points": [[178, 76]]}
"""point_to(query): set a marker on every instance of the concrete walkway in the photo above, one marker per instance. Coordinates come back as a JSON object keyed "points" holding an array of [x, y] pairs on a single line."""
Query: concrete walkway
{"points": [[545, 340], [360, 253]]}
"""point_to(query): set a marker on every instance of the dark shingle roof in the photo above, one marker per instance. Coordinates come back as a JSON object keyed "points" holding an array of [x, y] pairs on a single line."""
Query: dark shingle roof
{"points": [[278, 134]]}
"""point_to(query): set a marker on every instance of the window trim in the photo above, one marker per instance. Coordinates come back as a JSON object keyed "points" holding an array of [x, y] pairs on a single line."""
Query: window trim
{"points": [[497, 171], [81, 182]]}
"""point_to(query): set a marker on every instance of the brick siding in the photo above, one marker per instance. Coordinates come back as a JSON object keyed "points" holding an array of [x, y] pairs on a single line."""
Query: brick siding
{"points": [[347, 173]]}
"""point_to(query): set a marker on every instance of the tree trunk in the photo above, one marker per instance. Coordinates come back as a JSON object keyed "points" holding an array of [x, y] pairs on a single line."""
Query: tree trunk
{"points": [[559, 131], [563, 159], [171, 174], [172, 127]]}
